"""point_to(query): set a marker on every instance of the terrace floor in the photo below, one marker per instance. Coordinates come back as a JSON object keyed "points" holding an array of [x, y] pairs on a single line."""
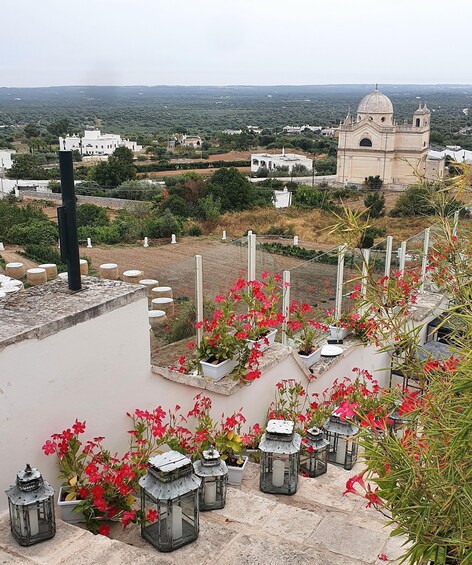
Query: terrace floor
{"points": [[315, 526]]}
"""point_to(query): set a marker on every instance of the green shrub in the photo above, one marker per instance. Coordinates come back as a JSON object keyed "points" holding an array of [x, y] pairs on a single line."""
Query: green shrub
{"points": [[91, 215], [194, 230], [100, 234], [376, 204], [42, 254], [43, 233], [280, 230]]}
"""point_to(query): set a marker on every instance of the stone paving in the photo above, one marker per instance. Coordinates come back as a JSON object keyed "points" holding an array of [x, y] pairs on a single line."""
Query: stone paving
{"points": [[315, 526]]}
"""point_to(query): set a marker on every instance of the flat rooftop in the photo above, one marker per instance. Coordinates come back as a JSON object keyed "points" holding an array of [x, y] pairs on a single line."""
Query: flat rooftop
{"points": [[46, 309]]}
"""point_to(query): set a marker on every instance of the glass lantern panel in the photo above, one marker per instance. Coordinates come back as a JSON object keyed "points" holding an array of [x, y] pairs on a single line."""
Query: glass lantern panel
{"points": [[279, 473], [177, 522], [213, 493], [315, 464], [33, 523]]}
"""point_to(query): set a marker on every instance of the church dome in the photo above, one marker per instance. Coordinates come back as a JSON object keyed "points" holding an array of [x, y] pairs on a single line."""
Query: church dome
{"points": [[375, 103]]}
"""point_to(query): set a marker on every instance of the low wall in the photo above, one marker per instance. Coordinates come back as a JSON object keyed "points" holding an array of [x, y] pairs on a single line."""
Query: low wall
{"points": [[117, 203]]}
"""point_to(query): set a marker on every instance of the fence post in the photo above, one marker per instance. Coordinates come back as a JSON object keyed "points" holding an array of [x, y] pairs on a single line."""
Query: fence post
{"points": [[424, 262], [455, 224], [339, 281], [199, 295], [285, 304], [388, 255], [365, 253], [402, 257], [251, 257]]}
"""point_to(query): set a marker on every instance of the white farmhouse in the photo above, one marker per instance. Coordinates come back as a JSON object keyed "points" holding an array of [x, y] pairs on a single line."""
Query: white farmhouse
{"points": [[94, 142], [194, 141], [6, 159], [276, 161]]}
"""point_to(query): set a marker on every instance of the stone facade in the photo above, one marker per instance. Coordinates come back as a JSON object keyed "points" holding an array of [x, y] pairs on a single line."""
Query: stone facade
{"points": [[373, 144]]}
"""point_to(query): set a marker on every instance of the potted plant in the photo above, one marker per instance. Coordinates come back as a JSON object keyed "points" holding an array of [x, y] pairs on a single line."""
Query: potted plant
{"points": [[338, 325], [263, 317], [306, 334], [98, 483], [226, 436]]}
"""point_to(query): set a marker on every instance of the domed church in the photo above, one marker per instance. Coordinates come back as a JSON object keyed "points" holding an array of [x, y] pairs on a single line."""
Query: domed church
{"points": [[373, 144]]}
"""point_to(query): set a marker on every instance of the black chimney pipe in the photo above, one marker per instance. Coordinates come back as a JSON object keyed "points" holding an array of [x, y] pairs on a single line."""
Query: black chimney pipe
{"points": [[67, 220]]}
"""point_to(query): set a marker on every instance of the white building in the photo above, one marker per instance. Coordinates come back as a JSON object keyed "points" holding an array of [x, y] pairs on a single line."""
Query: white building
{"points": [[6, 161], [276, 161], [233, 131], [194, 141], [456, 153], [94, 143], [301, 129]]}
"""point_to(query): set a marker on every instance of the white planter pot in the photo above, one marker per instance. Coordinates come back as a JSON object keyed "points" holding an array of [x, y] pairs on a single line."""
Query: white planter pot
{"points": [[338, 333], [217, 371], [263, 345], [311, 359], [67, 507], [235, 474]]}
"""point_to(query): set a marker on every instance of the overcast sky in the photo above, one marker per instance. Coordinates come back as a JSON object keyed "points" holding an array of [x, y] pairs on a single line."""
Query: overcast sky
{"points": [[264, 42]]}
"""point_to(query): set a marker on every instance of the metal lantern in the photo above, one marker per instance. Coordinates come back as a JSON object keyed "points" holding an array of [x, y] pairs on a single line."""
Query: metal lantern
{"points": [[31, 505], [169, 501], [280, 458], [314, 461], [214, 475], [342, 445], [396, 424]]}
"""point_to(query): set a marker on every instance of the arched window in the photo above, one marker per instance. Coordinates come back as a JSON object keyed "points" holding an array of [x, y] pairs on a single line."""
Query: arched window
{"points": [[417, 122], [365, 142]]}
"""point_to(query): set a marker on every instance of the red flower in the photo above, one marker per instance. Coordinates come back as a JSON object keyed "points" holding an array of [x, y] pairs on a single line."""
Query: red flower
{"points": [[383, 557], [352, 481], [104, 530], [128, 517], [49, 447], [151, 516], [78, 427]]}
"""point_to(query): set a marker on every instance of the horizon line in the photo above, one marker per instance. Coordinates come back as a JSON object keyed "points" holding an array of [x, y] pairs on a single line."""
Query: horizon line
{"points": [[331, 84]]}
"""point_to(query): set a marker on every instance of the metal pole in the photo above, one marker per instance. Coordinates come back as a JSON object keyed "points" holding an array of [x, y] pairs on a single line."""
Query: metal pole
{"points": [[339, 281], [199, 295], [67, 219], [285, 305], [455, 224], [402, 257], [388, 255], [424, 262]]}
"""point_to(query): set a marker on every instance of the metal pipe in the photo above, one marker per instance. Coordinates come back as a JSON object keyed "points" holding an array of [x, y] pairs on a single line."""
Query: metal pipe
{"points": [[67, 218], [285, 305], [199, 295]]}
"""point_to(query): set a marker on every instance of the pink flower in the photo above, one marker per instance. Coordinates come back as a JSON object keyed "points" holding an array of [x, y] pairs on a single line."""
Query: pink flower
{"points": [[78, 427], [104, 530], [346, 410], [383, 557]]}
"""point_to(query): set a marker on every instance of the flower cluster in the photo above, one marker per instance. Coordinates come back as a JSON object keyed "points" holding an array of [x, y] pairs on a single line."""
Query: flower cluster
{"points": [[305, 332], [246, 314]]}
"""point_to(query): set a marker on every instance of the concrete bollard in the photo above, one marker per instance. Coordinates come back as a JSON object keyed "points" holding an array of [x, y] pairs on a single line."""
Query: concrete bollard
{"points": [[109, 271], [15, 270], [162, 292], [51, 270], [157, 319], [224, 235], [13, 282], [166, 304], [89, 242], [83, 267], [132, 276], [146, 242], [3, 295], [2, 247], [11, 290], [173, 238], [149, 284], [36, 276], [295, 240]]}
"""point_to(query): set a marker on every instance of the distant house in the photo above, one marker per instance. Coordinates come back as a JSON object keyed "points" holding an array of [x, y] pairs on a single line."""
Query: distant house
{"points": [[6, 159], [94, 142], [276, 161], [455, 152], [254, 129], [194, 141], [233, 131], [328, 132], [301, 129]]}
